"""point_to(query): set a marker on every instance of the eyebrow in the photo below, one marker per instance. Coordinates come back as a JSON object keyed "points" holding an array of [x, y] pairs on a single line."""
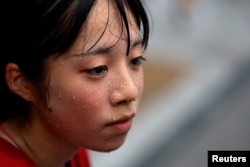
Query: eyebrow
{"points": [[105, 50], [137, 42]]}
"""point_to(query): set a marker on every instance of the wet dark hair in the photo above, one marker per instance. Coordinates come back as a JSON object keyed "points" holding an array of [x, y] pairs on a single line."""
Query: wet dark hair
{"points": [[33, 30]]}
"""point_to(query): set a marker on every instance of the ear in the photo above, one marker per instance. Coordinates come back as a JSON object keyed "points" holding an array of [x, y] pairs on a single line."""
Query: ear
{"points": [[18, 83]]}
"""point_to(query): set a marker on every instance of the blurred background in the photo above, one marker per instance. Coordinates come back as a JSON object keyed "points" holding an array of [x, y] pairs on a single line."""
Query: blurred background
{"points": [[197, 86]]}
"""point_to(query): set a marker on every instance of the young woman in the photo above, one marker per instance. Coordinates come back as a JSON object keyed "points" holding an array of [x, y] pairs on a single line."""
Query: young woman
{"points": [[70, 78]]}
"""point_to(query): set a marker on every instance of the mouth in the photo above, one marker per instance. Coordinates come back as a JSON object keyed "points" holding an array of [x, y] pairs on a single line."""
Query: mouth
{"points": [[123, 124]]}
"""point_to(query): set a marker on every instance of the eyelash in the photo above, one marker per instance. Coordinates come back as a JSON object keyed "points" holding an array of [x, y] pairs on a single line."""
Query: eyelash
{"points": [[102, 69], [97, 70], [137, 61]]}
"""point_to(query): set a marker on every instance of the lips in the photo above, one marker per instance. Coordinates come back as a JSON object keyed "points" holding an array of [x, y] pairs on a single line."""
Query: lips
{"points": [[122, 124]]}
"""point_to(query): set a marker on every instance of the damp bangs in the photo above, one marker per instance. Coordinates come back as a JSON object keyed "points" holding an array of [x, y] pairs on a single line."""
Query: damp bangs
{"points": [[139, 15]]}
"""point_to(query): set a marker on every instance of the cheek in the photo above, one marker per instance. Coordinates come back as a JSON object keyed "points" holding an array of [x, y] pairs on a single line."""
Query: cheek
{"points": [[75, 107], [76, 100], [139, 82]]}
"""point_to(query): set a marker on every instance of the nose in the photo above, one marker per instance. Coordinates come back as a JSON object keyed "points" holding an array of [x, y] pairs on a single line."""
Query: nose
{"points": [[125, 90]]}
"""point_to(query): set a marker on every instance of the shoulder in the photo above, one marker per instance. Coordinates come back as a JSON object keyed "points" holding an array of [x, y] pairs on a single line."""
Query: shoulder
{"points": [[80, 159], [11, 156]]}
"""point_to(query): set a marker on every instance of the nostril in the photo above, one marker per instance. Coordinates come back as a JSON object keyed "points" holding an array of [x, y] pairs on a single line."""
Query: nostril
{"points": [[125, 101], [121, 102]]}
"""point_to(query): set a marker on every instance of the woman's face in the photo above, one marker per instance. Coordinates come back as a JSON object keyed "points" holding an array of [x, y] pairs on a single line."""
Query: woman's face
{"points": [[93, 92]]}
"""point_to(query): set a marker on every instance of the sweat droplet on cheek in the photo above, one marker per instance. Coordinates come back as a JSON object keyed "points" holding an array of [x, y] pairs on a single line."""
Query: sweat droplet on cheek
{"points": [[59, 96]]}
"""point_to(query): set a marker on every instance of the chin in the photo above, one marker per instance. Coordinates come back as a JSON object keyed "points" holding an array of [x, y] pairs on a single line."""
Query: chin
{"points": [[110, 145], [108, 149]]}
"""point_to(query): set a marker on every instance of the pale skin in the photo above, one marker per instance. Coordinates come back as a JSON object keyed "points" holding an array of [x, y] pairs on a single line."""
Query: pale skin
{"points": [[94, 93]]}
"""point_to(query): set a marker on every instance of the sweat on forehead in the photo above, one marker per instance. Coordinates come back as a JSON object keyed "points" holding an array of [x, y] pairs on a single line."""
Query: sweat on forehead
{"points": [[106, 26]]}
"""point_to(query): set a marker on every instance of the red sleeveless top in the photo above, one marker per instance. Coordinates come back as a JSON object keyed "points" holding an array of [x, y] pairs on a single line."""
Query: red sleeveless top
{"points": [[11, 156]]}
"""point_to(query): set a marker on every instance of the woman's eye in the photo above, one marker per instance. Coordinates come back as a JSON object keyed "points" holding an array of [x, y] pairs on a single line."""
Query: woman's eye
{"points": [[137, 61], [97, 70]]}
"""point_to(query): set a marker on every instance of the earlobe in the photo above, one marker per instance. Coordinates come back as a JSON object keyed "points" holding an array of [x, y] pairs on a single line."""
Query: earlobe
{"points": [[17, 82]]}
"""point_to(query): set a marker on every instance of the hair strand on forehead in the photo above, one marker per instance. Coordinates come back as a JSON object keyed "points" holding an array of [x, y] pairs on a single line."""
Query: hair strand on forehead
{"points": [[105, 28], [121, 8]]}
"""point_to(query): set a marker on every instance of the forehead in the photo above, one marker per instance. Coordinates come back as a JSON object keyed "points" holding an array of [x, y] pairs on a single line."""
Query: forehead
{"points": [[105, 25]]}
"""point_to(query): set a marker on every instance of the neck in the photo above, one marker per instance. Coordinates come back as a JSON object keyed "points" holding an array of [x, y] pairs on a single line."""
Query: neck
{"points": [[39, 145]]}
